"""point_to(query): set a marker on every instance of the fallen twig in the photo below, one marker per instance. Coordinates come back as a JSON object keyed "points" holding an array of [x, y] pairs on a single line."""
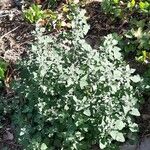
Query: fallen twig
{"points": [[9, 32]]}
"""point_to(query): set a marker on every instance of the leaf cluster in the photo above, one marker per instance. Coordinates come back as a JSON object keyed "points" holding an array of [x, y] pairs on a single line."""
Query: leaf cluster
{"points": [[49, 18], [136, 35]]}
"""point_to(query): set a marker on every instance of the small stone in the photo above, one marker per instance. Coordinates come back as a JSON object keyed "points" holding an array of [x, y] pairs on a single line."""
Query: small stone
{"points": [[8, 136], [145, 144]]}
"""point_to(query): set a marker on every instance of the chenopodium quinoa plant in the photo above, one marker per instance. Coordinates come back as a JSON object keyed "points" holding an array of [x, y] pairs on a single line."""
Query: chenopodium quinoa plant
{"points": [[71, 96]]}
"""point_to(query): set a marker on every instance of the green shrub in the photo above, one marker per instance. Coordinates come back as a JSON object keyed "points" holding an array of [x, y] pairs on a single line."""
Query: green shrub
{"points": [[71, 96]]}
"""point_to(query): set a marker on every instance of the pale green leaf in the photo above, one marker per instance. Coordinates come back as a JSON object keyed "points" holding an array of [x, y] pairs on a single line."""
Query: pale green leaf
{"points": [[83, 82], [118, 136], [87, 112], [131, 4], [135, 112], [117, 54], [102, 145], [116, 1], [126, 109], [136, 78], [119, 124], [133, 127], [44, 146]]}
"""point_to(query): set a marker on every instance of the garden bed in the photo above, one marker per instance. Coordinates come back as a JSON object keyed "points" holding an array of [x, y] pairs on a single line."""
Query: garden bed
{"points": [[16, 37]]}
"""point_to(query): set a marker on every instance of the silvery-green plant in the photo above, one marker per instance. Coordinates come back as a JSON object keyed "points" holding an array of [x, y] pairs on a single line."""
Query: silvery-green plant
{"points": [[71, 96]]}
